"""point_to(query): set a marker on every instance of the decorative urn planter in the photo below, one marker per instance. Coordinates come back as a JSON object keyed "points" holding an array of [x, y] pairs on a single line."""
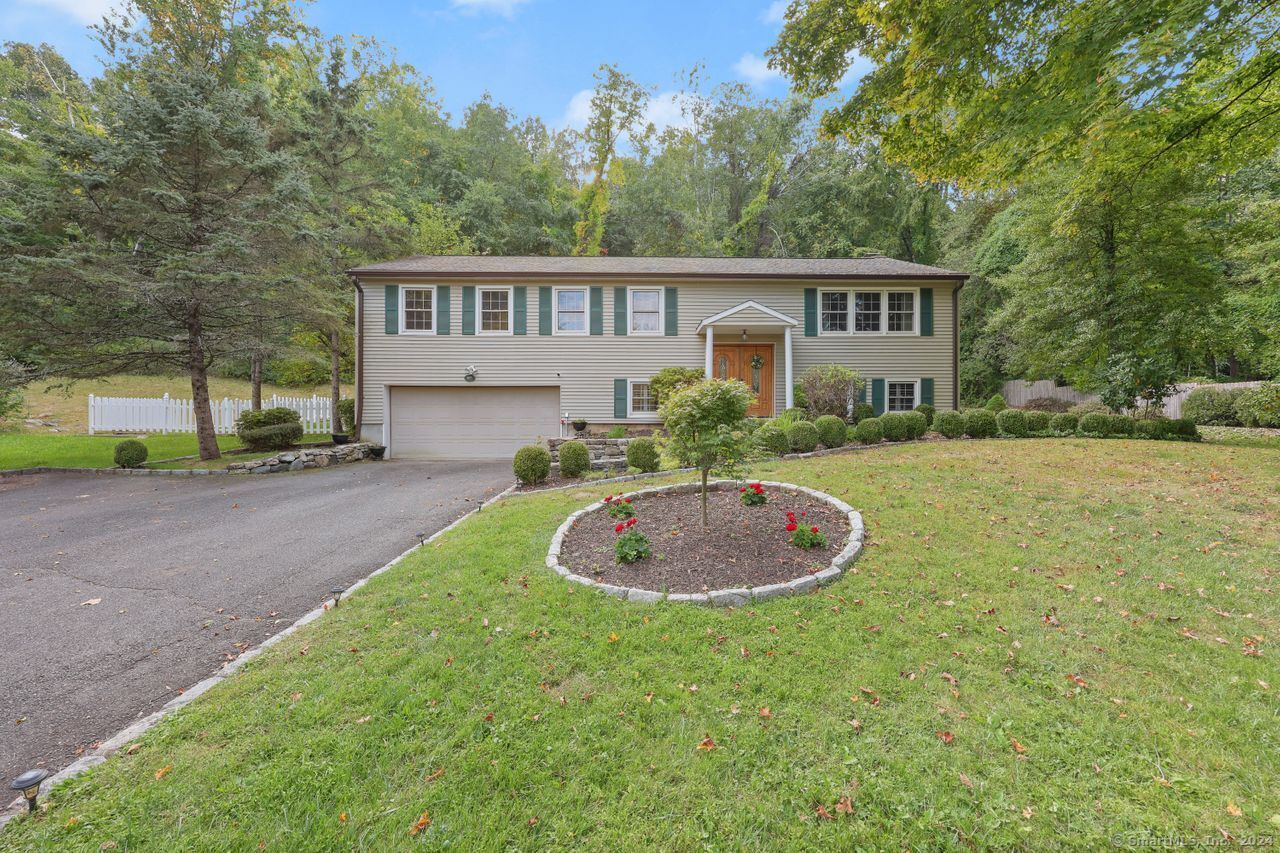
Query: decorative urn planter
{"points": [[579, 426], [341, 438], [378, 451]]}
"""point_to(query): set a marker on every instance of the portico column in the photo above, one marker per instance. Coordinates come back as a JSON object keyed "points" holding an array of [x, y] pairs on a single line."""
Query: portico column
{"points": [[711, 331], [786, 366]]}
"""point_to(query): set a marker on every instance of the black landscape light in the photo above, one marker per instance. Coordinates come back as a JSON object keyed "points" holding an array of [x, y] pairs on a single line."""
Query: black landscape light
{"points": [[337, 592], [29, 784]]}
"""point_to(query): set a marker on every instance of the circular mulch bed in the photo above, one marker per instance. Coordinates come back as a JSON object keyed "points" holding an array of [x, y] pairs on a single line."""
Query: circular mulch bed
{"points": [[744, 553]]}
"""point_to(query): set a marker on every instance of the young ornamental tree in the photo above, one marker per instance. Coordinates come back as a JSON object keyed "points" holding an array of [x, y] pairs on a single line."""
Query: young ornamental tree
{"points": [[702, 421], [830, 389]]}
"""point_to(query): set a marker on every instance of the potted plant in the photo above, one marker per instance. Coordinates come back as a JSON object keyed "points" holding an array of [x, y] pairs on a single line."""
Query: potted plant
{"points": [[377, 451], [346, 421], [579, 425]]}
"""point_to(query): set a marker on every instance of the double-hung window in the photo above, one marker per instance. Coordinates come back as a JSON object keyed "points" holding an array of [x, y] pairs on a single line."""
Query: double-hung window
{"points": [[494, 311], [642, 402], [868, 312], [571, 310], [417, 309], [835, 311], [900, 396], [645, 310], [902, 311]]}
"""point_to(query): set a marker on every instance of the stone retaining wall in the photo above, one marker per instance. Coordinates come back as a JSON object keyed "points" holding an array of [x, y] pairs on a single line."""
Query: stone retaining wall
{"points": [[296, 460], [605, 452]]}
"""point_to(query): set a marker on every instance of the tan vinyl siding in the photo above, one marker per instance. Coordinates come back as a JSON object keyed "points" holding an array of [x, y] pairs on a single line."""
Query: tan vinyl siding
{"points": [[585, 366]]}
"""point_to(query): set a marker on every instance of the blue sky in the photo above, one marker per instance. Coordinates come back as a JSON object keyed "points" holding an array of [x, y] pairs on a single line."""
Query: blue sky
{"points": [[535, 56]]}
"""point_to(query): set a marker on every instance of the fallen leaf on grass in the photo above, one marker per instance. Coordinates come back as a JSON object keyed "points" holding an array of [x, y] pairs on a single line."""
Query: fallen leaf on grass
{"points": [[133, 747], [613, 637], [1234, 810], [342, 818], [1017, 745], [845, 806], [163, 771], [434, 776], [533, 821], [944, 736], [966, 781], [822, 812], [949, 678], [1077, 680], [423, 823], [707, 744], [648, 697], [857, 726], [363, 720], [766, 713]]}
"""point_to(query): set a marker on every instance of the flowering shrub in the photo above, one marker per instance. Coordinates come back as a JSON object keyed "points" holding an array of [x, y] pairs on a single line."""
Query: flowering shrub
{"points": [[632, 545], [753, 494], [803, 534], [620, 507]]}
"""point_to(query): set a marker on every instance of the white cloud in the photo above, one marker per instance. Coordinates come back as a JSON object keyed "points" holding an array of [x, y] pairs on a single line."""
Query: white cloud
{"points": [[776, 13], [505, 8], [664, 110], [578, 111], [83, 11], [755, 69]]}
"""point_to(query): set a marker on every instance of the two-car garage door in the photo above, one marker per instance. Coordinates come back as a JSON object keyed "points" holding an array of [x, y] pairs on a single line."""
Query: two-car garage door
{"points": [[469, 422]]}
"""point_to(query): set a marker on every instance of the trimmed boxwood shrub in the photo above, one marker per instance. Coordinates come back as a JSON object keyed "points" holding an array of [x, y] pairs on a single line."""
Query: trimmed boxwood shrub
{"points": [[894, 426], [868, 431], [1120, 425], [802, 437], [980, 423], [1095, 423], [1185, 429], [862, 411], [643, 453], [1012, 422], [1089, 407], [1150, 428], [996, 403], [1038, 422], [532, 464], [772, 439], [1064, 424], [1259, 407], [346, 416], [950, 424], [1212, 406], [928, 412], [269, 429], [917, 424], [575, 459], [830, 430], [131, 453]]}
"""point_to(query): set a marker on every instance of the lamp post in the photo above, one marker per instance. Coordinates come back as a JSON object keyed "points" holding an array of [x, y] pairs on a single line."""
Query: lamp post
{"points": [[337, 592], [29, 784]]}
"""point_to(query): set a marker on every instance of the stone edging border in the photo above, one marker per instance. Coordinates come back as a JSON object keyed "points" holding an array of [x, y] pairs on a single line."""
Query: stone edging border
{"points": [[733, 597], [136, 729], [170, 472]]}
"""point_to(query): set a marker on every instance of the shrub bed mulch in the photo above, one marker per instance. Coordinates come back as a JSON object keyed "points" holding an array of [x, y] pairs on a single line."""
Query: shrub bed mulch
{"points": [[743, 546]]}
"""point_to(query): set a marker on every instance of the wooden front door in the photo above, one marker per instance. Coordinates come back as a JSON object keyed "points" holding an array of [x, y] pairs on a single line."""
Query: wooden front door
{"points": [[751, 363]]}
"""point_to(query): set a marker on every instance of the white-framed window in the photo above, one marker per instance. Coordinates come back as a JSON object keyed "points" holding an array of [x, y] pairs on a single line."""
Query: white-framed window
{"points": [[644, 310], [869, 312], [418, 310], [835, 311], [901, 395], [493, 311], [569, 310], [640, 400]]}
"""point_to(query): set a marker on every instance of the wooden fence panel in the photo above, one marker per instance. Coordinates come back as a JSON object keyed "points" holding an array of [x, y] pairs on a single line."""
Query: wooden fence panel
{"points": [[1017, 392]]}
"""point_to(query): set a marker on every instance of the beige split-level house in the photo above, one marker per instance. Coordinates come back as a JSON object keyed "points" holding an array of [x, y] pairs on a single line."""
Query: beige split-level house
{"points": [[471, 357]]}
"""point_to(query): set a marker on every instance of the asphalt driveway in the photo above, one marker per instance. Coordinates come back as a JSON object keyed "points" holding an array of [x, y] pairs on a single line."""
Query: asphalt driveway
{"points": [[116, 592]]}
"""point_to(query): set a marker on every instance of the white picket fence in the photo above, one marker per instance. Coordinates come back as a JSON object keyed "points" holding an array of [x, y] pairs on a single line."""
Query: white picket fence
{"points": [[166, 414], [1017, 393]]}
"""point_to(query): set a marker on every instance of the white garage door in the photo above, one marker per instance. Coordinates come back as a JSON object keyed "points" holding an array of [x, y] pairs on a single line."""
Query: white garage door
{"points": [[470, 422]]}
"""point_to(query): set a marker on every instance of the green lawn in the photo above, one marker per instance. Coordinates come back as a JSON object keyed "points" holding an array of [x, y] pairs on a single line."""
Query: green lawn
{"points": [[1074, 613], [30, 450]]}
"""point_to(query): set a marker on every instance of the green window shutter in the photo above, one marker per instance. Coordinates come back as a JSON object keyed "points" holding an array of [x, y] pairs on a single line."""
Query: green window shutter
{"points": [[926, 312], [619, 311], [926, 391], [544, 310], [392, 304], [811, 312], [862, 393], [442, 310], [468, 310], [597, 310], [877, 396], [519, 309], [620, 398], [671, 304]]}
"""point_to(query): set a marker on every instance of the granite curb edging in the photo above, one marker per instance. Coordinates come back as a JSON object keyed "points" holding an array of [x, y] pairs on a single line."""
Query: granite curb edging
{"points": [[733, 596]]}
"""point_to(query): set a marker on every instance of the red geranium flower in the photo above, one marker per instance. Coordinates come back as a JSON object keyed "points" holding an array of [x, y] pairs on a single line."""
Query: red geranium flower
{"points": [[814, 529], [791, 527], [619, 527], [606, 500], [632, 521], [743, 489], [628, 500]]}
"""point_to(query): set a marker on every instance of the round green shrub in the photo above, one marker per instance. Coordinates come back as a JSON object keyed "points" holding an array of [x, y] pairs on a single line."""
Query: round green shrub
{"points": [[1095, 424], [1064, 424], [917, 424], [1259, 407], [830, 430], [868, 431], [802, 437], [928, 412], [894, 426], [1149, 428], [532, 464], [1185, 429], [862, 411], [980, 423], [1120, 425], [131, 453], [643, 453], [1089, 407], [269, 429], [996, 403], [950, 424], [575, 459], [772, 439], [1212, 406], [1038, 422], [1012, 422]]}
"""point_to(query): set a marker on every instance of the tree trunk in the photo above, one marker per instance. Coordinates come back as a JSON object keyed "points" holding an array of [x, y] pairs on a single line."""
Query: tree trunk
{"points": [[205, 435], [255, 379], [705, 523], [335, 377]]}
